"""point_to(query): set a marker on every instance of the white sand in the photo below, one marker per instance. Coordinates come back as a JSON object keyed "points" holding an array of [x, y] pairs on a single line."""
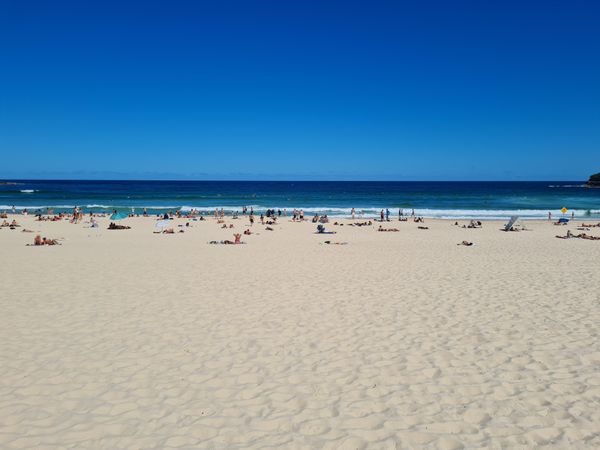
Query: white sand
{"points": [[130, 340]]}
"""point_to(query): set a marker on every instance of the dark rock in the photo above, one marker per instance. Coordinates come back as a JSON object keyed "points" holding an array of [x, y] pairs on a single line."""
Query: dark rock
{"points": [[594, 181]]}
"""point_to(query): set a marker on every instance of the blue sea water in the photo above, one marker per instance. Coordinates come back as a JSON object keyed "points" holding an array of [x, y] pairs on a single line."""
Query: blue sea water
{"points": [[483, 200]]}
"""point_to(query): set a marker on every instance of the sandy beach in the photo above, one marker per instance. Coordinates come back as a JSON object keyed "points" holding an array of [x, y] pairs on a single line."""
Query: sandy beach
{"points": [[126, 339]]}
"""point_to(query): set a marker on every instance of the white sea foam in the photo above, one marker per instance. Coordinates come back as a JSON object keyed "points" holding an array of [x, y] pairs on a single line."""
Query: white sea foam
{"points": [[34, 207], [212, 208], [28, 191], [481, 214]]}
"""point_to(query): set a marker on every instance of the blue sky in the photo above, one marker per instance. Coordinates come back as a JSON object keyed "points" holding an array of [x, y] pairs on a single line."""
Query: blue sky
{"points": [[300, 90]]}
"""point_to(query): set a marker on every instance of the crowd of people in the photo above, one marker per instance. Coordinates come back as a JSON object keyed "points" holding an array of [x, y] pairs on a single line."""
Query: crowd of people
{"points": [[268, 218]]}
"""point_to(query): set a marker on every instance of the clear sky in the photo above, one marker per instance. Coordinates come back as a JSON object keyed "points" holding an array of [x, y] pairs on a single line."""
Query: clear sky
{"points": [[397, 90]]}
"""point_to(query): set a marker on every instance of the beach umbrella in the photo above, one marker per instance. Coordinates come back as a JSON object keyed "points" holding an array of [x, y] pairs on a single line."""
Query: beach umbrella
{"points": [[118, 216]]}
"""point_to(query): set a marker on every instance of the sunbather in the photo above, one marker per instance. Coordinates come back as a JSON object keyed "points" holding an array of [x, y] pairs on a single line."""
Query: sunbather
{"points": [[114, 226], [321, 230], [588, 237], [569, 235], [38, 240]]}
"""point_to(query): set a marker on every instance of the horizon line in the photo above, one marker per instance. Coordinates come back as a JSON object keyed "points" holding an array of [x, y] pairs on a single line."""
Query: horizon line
{"points": [[8, 180]]}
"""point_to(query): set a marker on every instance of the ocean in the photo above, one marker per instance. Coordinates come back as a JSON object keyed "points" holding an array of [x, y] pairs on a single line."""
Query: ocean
{"points": [[481, 200]]}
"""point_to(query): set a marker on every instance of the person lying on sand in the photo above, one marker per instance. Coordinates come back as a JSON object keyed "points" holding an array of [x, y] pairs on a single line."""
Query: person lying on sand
{"points": [[247, 232], [361, 224], [591, 225], [585, 236], [387, 229], [569, 235], [11, 225], [237, 240], [25, 230], [38, 240], [269, 229], [588, 237], [466, 243], [168, 231], [335, 243], [321, 230], [423, 228], [114, 226]]}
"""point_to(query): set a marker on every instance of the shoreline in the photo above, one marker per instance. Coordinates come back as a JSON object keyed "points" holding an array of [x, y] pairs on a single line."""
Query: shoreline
{"points": [[482, 215]]}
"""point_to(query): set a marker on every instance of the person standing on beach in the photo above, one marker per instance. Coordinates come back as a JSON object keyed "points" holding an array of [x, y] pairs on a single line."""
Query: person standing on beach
{"points": [[352, 212], [549, 215], [381, 215], [387, 215]]}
